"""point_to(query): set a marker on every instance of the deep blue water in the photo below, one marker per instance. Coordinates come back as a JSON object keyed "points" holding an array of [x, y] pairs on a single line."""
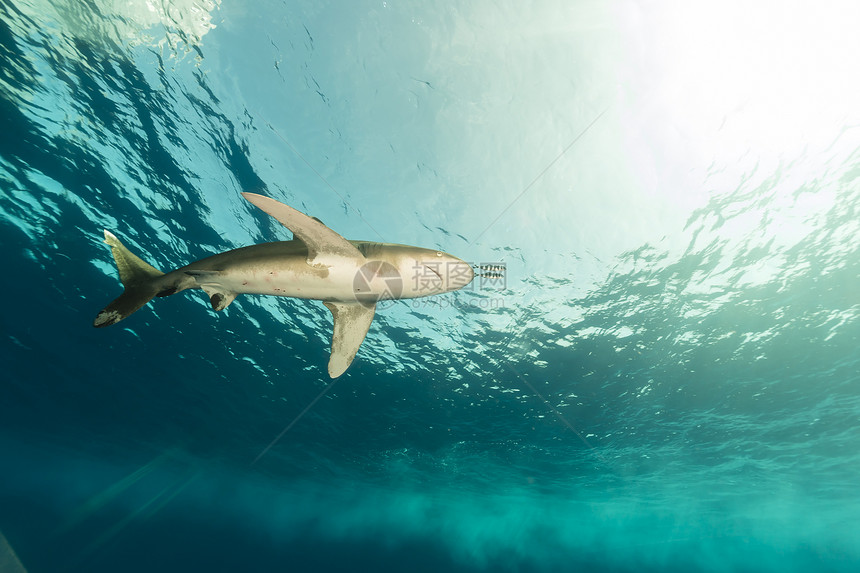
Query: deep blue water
{"points": [[667, 378]]}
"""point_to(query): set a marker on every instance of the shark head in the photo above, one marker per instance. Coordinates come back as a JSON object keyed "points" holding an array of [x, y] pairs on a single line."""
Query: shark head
{"points": [[413, 272]]}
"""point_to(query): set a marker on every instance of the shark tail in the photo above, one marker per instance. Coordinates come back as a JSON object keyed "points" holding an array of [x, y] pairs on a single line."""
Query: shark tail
{"points": [[138, 278]]}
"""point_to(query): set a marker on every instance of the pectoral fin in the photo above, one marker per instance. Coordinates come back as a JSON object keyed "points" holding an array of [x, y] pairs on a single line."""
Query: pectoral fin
{"points": [[351, 323]]}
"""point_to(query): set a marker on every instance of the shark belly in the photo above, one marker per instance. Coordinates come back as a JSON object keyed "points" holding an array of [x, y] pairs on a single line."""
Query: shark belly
{"points": [[323, 284], [265, 271]]}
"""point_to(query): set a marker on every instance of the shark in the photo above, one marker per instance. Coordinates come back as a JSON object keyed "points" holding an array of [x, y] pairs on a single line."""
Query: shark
{"points": [[349, 277]]}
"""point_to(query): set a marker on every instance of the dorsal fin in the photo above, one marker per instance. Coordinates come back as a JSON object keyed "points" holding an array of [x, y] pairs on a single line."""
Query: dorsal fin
{"points": [[324, 245]]}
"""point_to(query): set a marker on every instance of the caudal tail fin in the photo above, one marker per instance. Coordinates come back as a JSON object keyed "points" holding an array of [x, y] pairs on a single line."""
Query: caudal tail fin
{"points": [[137, 278]]}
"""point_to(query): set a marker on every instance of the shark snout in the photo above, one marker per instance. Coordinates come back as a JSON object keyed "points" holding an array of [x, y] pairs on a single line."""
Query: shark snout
{"points": [[459, 274]]}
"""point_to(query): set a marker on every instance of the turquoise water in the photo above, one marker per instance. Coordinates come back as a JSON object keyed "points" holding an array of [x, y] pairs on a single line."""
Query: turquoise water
{"points": [[667, 377]]}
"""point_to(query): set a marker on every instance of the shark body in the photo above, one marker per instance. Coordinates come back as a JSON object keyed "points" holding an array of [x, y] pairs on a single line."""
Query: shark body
{"points": [[349, 277]]}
